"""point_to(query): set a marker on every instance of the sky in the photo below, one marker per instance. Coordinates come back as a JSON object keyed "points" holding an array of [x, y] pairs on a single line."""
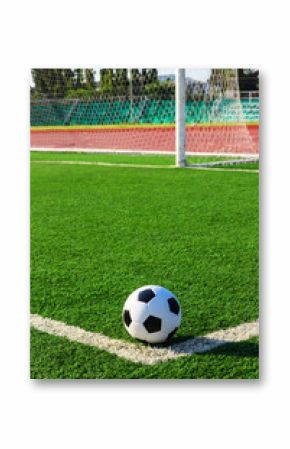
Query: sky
{"points": [[196, 74]]}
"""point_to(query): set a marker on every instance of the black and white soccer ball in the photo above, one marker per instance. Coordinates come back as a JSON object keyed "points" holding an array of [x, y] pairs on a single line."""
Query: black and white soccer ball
{"points": [[152, 314]]}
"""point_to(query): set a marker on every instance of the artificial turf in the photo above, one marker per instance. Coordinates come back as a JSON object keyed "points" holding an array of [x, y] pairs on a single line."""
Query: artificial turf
{"points": [[97, 233], [243, 166], [118, 158], [57, 358]]}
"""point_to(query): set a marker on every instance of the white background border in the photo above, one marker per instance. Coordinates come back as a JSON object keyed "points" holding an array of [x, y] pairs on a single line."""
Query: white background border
{"points": [[219, 414]]}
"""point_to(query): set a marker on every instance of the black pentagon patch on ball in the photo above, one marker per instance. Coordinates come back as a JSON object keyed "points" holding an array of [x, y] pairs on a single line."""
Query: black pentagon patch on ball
{"points": [[152, 324], [173, 306], [146, 295], [127, 318], [170, 335]]}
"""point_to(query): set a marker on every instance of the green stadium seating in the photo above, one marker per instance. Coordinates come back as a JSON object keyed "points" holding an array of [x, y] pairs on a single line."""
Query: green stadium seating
{"points": [[143, 110]]}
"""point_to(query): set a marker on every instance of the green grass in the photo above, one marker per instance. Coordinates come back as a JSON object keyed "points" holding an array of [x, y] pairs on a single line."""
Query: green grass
{"points": [[97, 233], [149, 159], [57, 358], [243, 166]]}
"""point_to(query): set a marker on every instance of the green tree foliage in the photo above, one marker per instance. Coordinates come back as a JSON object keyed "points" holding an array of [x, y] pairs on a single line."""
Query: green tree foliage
{"points": [[78, 78], [159, 90], [51, 83], [81, 83], [107, 81], [121, 82], [137, 82], [62, 83], [90, 78], [221, 79], [152, 75]]}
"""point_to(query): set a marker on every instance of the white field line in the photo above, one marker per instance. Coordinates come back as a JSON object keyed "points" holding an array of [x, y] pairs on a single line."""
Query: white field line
{"points": [[226, 162], [243, 170], [112, 164], [138, 152], [147, 355], [103, 164]]}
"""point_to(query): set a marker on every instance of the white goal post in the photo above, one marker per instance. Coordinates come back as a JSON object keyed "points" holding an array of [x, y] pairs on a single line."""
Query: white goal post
{"points": [[180, 131], [189, 112], [213, 117]]}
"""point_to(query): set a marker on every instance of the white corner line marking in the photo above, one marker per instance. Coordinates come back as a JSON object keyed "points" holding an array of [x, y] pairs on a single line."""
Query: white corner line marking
{"points": [[147, 355]]}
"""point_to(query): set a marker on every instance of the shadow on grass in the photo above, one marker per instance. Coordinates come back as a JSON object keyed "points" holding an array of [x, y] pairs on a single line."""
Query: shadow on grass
{"points": [[202, 345], [241, 349]]}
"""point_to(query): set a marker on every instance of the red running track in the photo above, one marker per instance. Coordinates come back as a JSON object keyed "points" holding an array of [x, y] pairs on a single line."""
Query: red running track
{"points": [[201, 139]]}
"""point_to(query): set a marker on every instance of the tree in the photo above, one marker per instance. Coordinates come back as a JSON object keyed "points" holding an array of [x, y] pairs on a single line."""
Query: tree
{"points": [[159, 90], [222, 80], [121, 82], [51, 83], [90, 79], [78, 78], [152, 75], [135, 80], [106, 81], [80, 83]]}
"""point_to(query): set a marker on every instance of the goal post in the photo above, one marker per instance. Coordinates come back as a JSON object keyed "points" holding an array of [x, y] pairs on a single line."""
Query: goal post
{"points": [[179, 112], [180, 127]]}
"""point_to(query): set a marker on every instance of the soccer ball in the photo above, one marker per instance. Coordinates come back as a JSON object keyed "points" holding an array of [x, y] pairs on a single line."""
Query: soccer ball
{"points": [[152, 314]]}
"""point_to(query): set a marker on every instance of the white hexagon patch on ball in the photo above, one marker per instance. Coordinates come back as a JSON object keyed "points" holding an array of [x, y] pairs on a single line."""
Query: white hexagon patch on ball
{"points": [[152, 314]]}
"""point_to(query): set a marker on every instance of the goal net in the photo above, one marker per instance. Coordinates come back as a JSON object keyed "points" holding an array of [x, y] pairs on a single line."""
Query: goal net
{"points": [[134, 110], [107, 109], [218, 118]]}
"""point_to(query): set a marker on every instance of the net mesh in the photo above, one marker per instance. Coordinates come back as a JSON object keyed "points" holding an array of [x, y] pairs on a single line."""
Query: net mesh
{"points": [[128, 109], [218, 119], [134, 110]]}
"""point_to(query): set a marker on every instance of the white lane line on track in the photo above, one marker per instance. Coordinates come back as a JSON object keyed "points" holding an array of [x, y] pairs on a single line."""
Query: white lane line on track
{"points": [[147, 355], [112, 164]]}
